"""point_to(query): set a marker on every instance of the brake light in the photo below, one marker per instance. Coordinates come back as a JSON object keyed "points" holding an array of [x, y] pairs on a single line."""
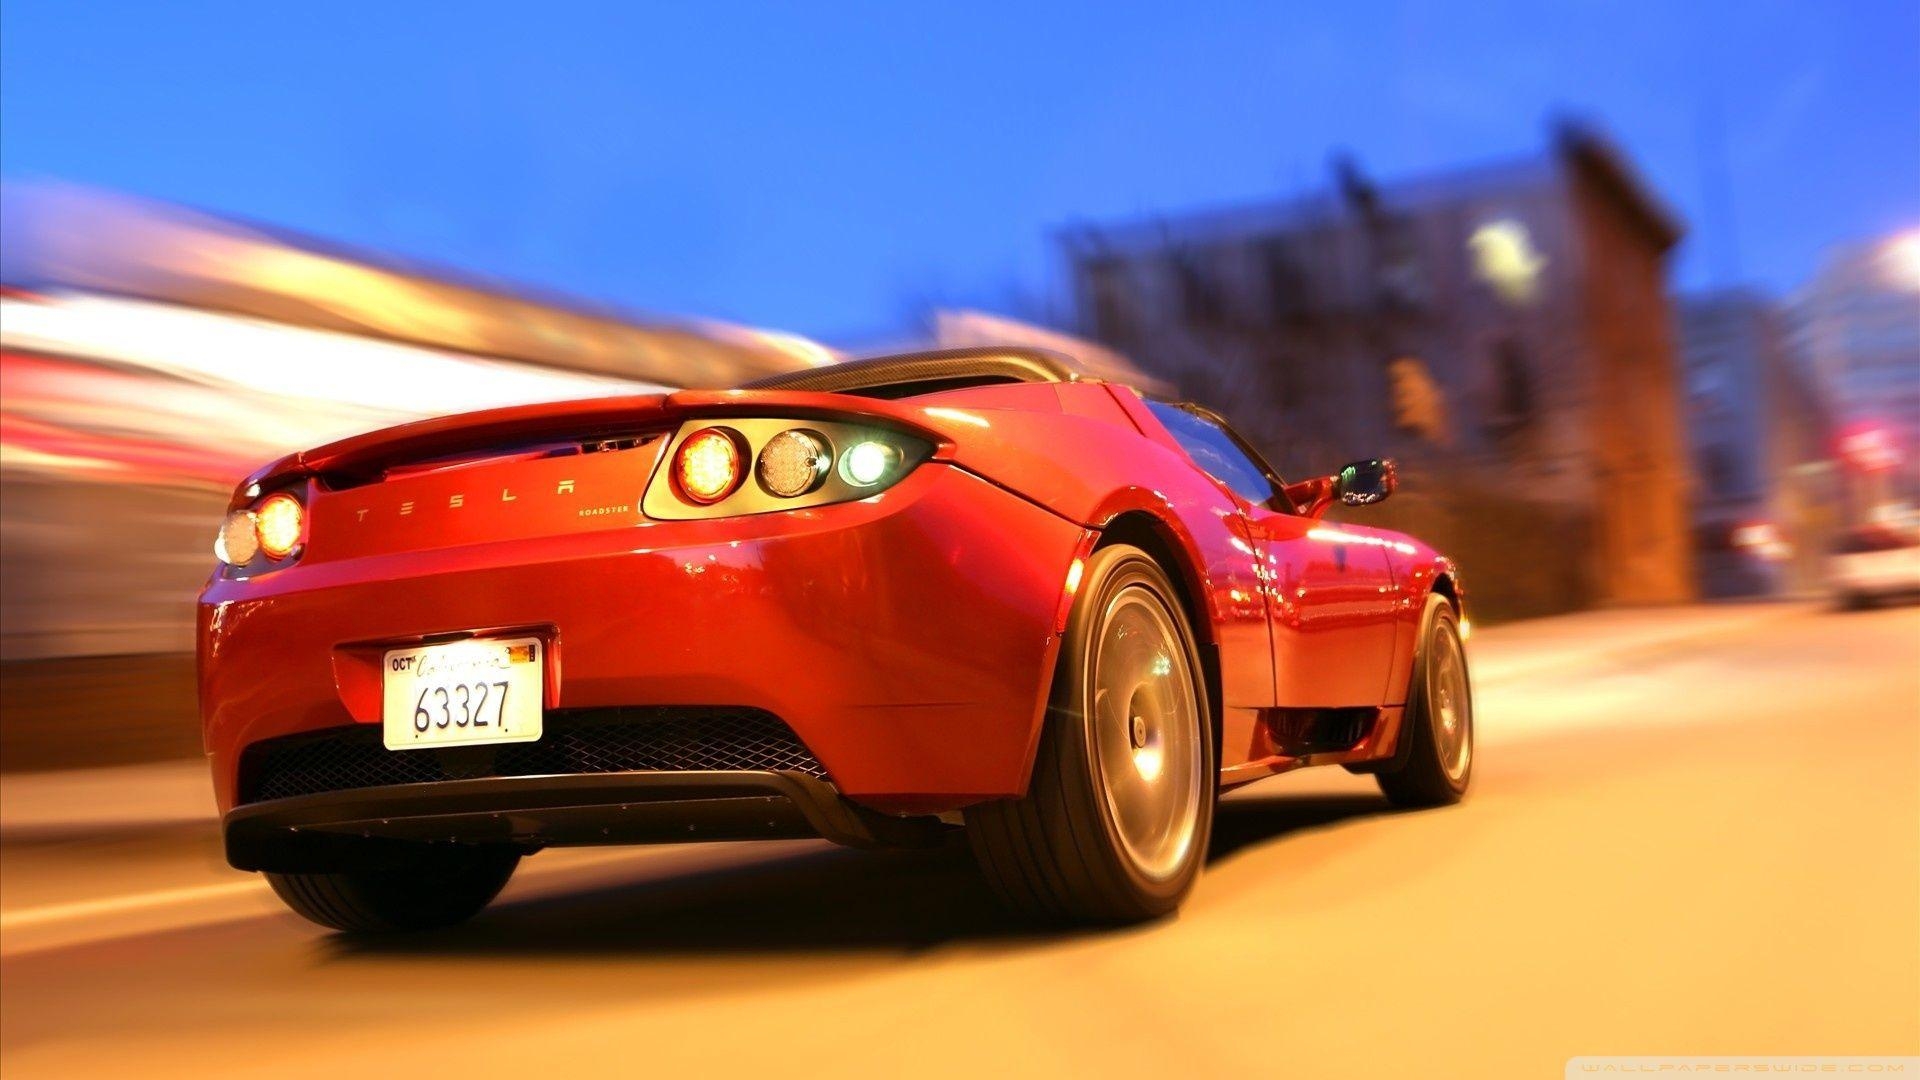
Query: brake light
{"points": [[278, 521], [708, 467]]}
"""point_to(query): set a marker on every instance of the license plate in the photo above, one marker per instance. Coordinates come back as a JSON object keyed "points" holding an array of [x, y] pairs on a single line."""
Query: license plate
{"points": [[487, 690]]}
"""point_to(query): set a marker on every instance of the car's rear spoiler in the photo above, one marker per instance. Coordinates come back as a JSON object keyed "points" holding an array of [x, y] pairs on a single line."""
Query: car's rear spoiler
{"points": [[589, 419]]}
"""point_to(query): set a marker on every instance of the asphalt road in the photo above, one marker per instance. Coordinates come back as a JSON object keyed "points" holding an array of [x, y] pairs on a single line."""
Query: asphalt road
{"points": [[1690, 834]]}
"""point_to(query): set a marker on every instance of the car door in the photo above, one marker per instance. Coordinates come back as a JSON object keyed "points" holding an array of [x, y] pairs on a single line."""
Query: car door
{"points": [[1332, 611], [1329, 587]]}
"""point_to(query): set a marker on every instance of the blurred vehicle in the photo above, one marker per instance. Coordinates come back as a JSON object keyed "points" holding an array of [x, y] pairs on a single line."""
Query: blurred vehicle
{"points": [[873, 602], [1875, 562]]}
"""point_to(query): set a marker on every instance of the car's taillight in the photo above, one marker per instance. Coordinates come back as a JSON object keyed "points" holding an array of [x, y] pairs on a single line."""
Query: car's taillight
{"points": [[254, 540], [278, 520], [868, 462], [707, 467], [795, 466], [239, 541], [793, 463]]}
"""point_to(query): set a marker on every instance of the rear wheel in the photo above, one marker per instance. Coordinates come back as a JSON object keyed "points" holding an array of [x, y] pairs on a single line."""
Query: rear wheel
{"points": [[1115, 822], [441, 887], [1435, 762]]}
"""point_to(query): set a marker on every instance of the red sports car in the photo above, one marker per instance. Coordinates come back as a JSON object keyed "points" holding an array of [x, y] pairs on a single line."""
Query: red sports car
{"points": [[883, 602]]}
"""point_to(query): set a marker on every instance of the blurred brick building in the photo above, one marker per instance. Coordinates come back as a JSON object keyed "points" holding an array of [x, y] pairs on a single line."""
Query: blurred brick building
{"points": [[1761, 435], [1504, 331]]}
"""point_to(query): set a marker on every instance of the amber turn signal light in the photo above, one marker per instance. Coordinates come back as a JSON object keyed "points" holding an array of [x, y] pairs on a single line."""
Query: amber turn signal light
{"points": [[707, 467], [279, 520]]}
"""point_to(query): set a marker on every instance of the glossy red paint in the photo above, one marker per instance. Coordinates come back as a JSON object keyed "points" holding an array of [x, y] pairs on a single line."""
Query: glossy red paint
{"points": [[877, 630], [1333, 603], [908, 638]]}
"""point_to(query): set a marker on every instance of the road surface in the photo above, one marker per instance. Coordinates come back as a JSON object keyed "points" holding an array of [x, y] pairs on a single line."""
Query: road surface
{"points": [[1693, 831]]}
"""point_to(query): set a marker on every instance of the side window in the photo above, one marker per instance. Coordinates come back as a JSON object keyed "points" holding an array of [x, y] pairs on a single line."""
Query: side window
{"points": [[1216, 450]]}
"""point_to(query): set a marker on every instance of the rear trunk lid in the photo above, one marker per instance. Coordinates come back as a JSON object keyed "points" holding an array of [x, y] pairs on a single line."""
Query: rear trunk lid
{"points": [[544, 470], [507, 474]]}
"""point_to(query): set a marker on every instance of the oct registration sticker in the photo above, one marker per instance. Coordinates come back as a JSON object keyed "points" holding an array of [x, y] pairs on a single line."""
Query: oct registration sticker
{"points": [[484, 690]]}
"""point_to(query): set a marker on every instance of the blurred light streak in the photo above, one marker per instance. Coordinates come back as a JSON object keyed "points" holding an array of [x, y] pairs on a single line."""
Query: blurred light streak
{"points": [[95, 387], [58, 235], [811, 353], [152, 355], [284, 360]]}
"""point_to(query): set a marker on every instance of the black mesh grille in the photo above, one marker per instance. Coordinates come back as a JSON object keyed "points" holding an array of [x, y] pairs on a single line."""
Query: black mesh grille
{"points": [[591, 741]]}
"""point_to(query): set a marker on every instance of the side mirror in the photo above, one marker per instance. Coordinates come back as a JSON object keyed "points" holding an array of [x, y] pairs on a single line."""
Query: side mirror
{"points": [[1362, 483]]}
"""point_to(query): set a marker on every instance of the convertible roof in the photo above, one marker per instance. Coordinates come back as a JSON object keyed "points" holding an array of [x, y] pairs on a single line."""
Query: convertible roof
{"points": [[911, 374]]}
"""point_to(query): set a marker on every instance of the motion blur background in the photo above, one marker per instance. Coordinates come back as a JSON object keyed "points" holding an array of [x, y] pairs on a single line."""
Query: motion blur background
{"points": [[1632, 291]]}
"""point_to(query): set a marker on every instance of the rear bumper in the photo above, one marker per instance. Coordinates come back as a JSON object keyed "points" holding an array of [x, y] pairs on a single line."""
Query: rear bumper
{"points": [[345, 829], [906, 639]]}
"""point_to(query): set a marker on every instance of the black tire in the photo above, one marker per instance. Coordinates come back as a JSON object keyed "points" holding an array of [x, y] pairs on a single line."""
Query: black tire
{"points": [[1420, 773], [1060, 851], [443, 886]]}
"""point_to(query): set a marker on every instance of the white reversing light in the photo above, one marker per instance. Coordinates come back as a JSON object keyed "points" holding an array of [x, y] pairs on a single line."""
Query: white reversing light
{"points": [[867, 462]]}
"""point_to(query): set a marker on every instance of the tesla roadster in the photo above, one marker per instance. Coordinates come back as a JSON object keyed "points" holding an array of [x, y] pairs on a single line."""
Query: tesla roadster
{"points": [[888, 602]]}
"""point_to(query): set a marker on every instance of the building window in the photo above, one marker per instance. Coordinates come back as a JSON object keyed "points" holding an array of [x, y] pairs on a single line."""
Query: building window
{"points": [[1399, 282], [1289, 290], [1107, 294], [1513, 391], [1201, 303]]}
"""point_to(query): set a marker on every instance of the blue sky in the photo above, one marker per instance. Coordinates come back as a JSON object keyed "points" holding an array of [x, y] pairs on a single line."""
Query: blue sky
{"points": [[824, 167]]}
